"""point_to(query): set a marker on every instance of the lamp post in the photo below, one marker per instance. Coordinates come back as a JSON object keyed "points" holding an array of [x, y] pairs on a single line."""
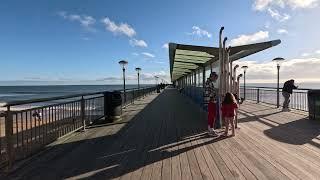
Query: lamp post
{"points": [[123, 64], [156, 77], [244, 80], [278, 60], [138, 71]]}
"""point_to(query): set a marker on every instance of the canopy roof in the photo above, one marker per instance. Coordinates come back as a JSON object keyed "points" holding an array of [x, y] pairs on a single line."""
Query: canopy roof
{"points": [[184, 59]]}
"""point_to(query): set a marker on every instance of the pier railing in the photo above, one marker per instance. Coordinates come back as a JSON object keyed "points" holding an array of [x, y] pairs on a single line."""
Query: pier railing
{"points": [[26, 130], [298, 99]]}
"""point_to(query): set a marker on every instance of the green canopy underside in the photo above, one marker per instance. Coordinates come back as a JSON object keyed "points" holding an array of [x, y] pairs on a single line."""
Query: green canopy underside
{"points": [[185, 59]]}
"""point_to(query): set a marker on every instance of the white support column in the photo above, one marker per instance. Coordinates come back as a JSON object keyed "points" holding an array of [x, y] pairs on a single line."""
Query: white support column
{"points": [[228, 76], [224, 73], [220, 61], [195, 78], [203, 76]]}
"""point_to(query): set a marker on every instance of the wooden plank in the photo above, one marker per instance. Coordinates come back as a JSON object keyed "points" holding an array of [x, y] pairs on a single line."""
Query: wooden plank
{"points": [[298, 151], [281, 153], [285, 167], [175, 159], [148, 167], [232, 167], [237, 168], [201, 161], [193, 163], [220, 163], [157, 166], [142, 142], [244, 170], [216, 174], [249, 164], [184, 163], [144, 162]]}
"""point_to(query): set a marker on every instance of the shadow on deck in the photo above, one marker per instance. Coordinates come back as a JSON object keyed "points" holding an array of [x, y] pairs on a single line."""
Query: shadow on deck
{"points": [[166, 139]]}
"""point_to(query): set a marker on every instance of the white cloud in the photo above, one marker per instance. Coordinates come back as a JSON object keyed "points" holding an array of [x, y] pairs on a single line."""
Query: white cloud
{"points": [[84, 20], [122, 28], [282, 31], [145, 77], [165, 46], [317, 52], [305, 54], [251, 38], [267, 25], [148, 55], [200, 32], [135, 54], [302, 3], [277, 16], [261, 5], [140, 43], [290, 69], [86, 38]]}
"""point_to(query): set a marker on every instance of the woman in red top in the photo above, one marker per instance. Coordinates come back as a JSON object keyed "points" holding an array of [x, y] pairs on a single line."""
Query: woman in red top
{"points": [[229, 105]]}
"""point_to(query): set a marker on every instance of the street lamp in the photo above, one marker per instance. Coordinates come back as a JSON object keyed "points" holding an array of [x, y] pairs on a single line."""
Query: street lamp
{"points": [[158, 88], [138, 71], [123, 64], [157, 77], [244, 80], [278, 60]]}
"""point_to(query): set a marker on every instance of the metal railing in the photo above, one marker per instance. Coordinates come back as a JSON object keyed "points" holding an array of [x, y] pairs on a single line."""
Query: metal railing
{"points": [[24, 132], [298, 99]]}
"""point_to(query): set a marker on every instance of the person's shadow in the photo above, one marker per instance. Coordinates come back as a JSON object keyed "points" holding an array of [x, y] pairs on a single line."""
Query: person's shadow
{"points": [[297, 132]]}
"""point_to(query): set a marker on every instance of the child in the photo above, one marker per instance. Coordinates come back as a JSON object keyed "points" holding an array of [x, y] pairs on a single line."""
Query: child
{"points": [[229, 106]]}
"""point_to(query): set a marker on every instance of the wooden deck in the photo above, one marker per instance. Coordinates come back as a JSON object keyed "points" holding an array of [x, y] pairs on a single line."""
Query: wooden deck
{"points": [[166, 138]]}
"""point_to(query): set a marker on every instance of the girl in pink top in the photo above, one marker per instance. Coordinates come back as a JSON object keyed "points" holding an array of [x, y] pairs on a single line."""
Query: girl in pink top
{"points": [[229, 106]]}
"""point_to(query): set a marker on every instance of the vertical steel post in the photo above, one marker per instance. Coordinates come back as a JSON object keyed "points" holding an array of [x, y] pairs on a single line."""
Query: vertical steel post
{"points": [[195, 78], [9, 137], [203, 76], [83, 119], [278, 68], [258, 95], [221, 60], [244, 84], [138, 80], [124, 85]]}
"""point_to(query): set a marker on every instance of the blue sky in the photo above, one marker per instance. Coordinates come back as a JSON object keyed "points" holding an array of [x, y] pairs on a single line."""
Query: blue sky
{"points": [[81, 41]]}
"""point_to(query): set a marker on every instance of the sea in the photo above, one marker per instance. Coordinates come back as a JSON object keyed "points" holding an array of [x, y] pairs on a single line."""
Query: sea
{"points": [[17, 93]]}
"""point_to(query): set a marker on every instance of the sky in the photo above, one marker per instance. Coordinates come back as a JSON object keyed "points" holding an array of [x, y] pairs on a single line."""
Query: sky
{"points": [[81, 41]]}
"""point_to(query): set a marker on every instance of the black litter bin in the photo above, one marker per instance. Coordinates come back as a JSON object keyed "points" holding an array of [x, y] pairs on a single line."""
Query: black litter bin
{"points": [[314, 104], [114, 105], [158, 89]]}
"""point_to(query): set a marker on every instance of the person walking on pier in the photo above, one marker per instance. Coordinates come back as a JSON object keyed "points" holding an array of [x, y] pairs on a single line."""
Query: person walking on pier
{"points": [[210, 98], [286, 92], [229, 108]]}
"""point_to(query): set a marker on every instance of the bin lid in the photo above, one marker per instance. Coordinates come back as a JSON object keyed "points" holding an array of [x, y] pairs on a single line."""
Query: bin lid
{"points": [[314, 91]]}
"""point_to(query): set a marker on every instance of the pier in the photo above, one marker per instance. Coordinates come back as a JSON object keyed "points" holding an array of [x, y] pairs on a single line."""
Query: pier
{"points": [[163, 136]]}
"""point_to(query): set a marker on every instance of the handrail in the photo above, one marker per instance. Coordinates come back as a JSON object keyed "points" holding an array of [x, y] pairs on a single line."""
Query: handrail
{"points": [[37, 100], [40, 125], [272, 88]]}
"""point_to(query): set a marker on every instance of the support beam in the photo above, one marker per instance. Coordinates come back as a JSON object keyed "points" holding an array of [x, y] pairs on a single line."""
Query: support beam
{"points": [[203, 76]]}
